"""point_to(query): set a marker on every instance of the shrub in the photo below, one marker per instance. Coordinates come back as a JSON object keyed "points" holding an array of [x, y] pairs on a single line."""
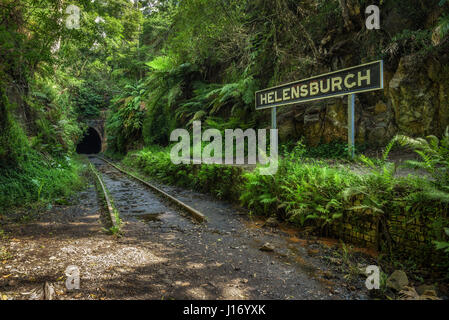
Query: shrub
{"points": [[39, 179]]}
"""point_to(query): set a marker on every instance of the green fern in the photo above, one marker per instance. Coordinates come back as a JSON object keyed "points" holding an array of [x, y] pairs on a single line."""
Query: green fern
{"points": [[434, 154]]}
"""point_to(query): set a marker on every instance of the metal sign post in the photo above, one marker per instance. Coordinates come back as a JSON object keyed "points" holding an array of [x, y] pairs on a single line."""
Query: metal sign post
{"points": [[346, 82], [351, 144]]}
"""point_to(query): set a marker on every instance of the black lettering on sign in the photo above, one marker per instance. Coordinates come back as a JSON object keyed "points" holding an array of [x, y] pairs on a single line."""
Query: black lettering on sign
{"points": [[363, 78]]}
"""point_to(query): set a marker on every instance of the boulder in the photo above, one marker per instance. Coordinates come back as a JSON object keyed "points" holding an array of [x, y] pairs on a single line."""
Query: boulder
{"points": [[271, 222], [395, 21], [287, 129], [380, 107], [268, 247], [397, 280], [430, 295], [425, 287], [414, 97], [415, 102], [313, 124]]}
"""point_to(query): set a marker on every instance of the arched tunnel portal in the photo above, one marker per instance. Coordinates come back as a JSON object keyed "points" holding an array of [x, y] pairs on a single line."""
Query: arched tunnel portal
{"points": [[91, 143]]}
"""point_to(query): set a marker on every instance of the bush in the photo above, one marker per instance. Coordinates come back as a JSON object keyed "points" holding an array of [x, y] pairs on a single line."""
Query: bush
{"points": [[221, 181], [13, 140], [38, 179]]}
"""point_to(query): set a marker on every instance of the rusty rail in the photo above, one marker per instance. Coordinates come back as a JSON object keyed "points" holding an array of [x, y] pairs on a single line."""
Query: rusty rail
{"points": [[106, 197]]}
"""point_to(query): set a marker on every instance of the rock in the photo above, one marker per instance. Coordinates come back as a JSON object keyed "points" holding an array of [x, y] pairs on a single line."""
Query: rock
{"points": [[429, 294], [287, 129], [271, 222], [312, 127], [380, 108], [443, 289], [12, 283], [425, 287], [335, 121], [414, 102], [268, 247], [414, 97], [397, 280], [395, 21], [377, 134]]}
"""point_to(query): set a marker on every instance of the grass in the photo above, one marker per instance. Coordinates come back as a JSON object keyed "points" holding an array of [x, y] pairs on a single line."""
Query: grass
{"points": [[40, 181], [217, 180], [337, 150], [116, 229]]}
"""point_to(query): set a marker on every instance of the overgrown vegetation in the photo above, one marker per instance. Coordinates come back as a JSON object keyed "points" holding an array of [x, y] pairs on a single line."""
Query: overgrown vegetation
{"points": [[39, 180], [215, 179], [314, 194], [152, 66], [51, 79], [204, 59]]}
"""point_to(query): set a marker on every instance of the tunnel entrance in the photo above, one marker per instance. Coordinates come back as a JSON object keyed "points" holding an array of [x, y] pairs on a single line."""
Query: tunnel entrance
{"points": [[91, 142]]}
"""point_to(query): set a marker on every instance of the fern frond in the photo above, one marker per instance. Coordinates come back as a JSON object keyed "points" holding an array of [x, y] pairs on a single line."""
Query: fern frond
{"points": [[366, 207]]}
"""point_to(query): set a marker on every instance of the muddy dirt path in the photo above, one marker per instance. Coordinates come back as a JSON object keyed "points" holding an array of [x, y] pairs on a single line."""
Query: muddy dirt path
{"points": [[163, 253]]}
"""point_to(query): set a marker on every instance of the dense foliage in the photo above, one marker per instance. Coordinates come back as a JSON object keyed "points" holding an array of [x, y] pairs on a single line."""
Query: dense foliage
{"points": [[148, 67], [204, 59], [324, 197], [51, 77]]}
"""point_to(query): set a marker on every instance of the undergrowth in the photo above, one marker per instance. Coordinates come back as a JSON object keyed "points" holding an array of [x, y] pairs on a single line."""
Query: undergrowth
{"points": [[330, 199], [39, 180], [217, 180]]}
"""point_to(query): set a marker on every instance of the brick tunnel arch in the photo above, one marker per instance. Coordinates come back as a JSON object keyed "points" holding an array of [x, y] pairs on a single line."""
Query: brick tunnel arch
{"points": [[91, 143]]}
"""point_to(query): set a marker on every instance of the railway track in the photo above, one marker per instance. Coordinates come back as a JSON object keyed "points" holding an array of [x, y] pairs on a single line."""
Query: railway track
{"points": [[111, 212], [223, 258], [162, 253], [197, 215]]}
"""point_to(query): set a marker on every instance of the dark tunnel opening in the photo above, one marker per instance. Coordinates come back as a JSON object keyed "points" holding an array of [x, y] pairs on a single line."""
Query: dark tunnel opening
{"points": [[90, 144]]}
